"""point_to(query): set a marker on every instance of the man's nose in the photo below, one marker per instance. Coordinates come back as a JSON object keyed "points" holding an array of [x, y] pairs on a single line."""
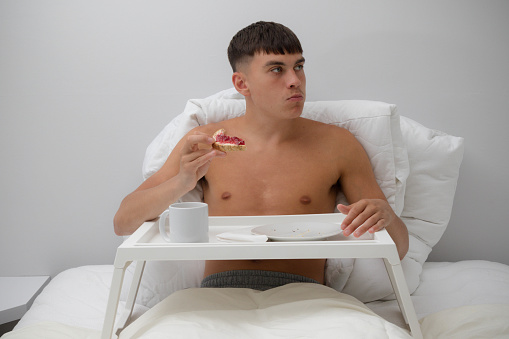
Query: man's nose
{"points": [[293, 80]]}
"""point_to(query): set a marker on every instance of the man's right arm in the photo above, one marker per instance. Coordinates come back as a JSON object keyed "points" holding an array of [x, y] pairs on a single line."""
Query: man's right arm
{"points": [[186, 164]]}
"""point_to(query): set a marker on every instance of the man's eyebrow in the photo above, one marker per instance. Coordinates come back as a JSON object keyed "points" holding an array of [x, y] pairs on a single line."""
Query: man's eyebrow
{"points": [[274, 63], [280, 63]]}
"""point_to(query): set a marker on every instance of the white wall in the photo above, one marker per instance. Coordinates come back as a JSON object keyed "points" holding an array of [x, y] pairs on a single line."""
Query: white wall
{"points": [[86, 85]]}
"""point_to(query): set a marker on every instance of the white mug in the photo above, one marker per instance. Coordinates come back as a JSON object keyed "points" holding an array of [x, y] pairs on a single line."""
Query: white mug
{"points": [[189, 222]]}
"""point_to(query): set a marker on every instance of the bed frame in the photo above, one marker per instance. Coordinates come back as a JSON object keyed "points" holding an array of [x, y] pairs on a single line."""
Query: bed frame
{"points": [[146, 244]]}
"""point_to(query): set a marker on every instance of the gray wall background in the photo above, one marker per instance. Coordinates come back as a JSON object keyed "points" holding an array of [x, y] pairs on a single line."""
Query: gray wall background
{"points": [[86, 85]]}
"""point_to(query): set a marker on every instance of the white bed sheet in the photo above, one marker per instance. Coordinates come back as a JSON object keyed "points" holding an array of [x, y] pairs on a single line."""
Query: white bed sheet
{"points": [[78, 297], [446, 285]]}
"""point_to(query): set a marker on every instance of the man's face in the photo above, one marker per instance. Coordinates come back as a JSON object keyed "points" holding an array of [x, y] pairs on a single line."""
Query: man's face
{"points": [[277, 83]]}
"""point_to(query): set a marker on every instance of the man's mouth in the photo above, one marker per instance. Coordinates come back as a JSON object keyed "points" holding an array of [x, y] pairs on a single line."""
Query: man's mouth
{"points": [[296, 97]]}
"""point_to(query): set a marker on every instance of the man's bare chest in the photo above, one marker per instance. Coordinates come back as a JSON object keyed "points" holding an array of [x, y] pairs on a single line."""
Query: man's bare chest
{"points": [[270, 184]]}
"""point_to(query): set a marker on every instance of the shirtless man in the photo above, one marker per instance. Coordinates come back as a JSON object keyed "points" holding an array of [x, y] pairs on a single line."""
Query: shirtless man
{"points": [[292, 165]]}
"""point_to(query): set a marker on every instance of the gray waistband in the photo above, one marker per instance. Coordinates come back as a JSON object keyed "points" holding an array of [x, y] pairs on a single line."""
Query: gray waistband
{"points": [[255, 279]]}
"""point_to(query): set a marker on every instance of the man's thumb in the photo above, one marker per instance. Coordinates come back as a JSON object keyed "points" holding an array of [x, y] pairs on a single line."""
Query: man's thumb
{"points": [[343, 208]]}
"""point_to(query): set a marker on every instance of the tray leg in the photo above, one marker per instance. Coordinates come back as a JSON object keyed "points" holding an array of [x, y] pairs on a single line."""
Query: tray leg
{"points": [[403, 296], [113, 299], [131, 297]]}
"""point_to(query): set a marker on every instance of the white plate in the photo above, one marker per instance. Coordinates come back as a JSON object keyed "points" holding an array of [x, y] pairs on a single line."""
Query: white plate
{"points": [[298, 231]]}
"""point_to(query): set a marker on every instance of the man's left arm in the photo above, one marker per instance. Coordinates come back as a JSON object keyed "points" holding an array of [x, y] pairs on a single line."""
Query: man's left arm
{"points": [[369, 210]]}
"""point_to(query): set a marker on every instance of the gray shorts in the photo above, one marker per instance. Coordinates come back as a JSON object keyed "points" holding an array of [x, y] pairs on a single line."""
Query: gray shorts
{"points": [[255, 279]]}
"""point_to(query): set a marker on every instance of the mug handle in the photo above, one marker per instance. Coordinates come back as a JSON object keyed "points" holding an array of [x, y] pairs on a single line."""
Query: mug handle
{"points": [[162, 228]]}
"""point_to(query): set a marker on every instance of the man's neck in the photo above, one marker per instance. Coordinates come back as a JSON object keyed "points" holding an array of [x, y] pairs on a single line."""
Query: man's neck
{"points": [[269, 128]]}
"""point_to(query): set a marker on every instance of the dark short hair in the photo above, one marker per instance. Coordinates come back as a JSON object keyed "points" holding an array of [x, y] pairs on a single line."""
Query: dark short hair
{"points": [[262, 37]]}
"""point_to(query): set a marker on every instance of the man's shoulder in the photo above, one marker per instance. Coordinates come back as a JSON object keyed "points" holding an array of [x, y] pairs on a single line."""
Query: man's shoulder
{"points": [[329, 130], [334, 139]]}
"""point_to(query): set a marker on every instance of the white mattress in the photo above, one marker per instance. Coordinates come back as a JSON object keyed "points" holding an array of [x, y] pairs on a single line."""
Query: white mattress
{"points": [[78, 296]]}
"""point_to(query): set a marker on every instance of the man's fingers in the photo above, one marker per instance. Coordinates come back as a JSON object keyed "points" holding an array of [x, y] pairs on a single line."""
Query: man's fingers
{"points": [[380, 225], [189, 158], [198, 158], [192, 141], [361, 218], [353, 214], [343, 208], [202, 170], [372, 224]]}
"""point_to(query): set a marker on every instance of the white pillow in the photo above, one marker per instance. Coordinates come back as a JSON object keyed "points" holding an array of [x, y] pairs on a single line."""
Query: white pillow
{"points": [[435, 158]]}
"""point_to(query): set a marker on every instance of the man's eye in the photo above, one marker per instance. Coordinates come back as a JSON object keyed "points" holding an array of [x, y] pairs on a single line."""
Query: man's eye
{"points": [[276, 70], [299, 67]]}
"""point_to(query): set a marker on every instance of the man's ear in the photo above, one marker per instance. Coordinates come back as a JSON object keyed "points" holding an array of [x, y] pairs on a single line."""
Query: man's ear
{"points": [[240, 84]]}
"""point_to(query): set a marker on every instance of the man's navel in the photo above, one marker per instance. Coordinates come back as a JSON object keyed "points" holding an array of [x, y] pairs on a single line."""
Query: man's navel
{"points": [[226, 195], [305, 200]]}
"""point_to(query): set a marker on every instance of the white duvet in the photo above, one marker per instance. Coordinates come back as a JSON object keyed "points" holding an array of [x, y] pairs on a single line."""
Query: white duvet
{"points": [[290, 311]]}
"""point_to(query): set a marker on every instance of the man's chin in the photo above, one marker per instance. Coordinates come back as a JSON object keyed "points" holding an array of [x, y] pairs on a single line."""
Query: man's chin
{"points": [[297, 107], [295, 112]]}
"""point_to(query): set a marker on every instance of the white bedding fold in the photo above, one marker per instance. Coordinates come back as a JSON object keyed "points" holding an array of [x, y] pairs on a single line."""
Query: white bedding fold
{"points": [[468, 322], [292, 311]]}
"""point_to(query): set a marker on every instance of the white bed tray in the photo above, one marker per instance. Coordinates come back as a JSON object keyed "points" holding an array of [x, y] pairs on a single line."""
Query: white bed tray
{"points": [[146, 244]]}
